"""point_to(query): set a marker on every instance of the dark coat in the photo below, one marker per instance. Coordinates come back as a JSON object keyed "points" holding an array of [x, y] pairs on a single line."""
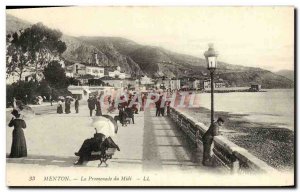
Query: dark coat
{"points": [[18, 146], [212, 131], [91, 103], [59, 109], [98, 108], [68, 106], [77, 103], [129, 112], [96, 143]]}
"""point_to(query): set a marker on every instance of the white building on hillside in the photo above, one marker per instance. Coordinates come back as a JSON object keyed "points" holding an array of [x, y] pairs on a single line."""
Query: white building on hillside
{"points": [[146, 80], [95, 71], [79, 69], [175, 84], [117, 73]]}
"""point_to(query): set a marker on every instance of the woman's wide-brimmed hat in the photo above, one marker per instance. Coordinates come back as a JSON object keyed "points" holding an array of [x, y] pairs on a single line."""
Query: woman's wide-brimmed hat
{"points": [[15, 113]]}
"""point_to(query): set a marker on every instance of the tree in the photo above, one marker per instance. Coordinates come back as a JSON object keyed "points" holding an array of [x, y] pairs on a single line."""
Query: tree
{"points": [[41, 44], [73, 81], [17, 60], [55, 75]]}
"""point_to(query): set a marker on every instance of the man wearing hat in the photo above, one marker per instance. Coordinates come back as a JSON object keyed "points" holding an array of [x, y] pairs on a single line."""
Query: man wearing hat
{"points": [[91, 104], [208, 138]]}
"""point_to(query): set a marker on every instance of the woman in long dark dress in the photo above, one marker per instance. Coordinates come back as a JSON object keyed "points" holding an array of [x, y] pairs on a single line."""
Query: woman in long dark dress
{"points": [[18, 146], [68, 105], [98, 107], [59, 107]]}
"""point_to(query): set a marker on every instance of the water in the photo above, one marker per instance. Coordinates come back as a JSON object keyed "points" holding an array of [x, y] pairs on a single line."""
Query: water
{"points": [[275, 106]]}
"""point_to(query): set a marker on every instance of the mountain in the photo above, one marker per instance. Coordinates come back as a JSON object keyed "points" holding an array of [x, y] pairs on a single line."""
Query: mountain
{"points": [[286, 73], [14, 24], [137, 59]]}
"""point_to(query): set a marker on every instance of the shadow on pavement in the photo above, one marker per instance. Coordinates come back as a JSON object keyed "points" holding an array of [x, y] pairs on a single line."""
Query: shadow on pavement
{"points": [[44, 160]]}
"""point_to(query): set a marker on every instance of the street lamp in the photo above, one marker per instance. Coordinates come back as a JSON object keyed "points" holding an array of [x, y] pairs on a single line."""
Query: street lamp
{"points": [[211, 60]]}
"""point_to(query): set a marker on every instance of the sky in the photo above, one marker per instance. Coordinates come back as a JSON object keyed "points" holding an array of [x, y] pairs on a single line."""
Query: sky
{"points": [[251, 36]]}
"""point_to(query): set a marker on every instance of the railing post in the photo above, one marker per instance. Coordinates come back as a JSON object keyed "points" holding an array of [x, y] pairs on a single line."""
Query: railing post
{"points": [[235, 166], [198, 148]]}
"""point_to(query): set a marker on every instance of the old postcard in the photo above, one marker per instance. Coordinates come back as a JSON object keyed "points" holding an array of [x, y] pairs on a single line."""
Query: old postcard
{"points": [[150, 96]]}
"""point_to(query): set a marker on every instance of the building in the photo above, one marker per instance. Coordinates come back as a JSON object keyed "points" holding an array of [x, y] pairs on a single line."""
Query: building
{"points": [[95, 71], [205, 84], [255, 87], [69, 72], [119, 83], [196, 84], [146, 80], [186, 83], [175, 84], [79, 69], [220, 84], [117, 73], [162, 82]]}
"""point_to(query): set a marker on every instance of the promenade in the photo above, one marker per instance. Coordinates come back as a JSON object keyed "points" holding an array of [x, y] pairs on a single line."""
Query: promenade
{"points": [[152, 145]]}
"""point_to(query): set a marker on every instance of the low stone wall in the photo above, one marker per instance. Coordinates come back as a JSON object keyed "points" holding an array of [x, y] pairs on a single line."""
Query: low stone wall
{"points": [[235, 158]]}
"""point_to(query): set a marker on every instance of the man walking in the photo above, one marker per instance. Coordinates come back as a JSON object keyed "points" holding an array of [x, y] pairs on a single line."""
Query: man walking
{"points": [[77, 105], [208, 138], [91, 104]]}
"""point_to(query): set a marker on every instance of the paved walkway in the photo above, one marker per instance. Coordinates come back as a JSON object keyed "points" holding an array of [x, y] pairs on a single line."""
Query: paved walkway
{"points": [[152, 145]]}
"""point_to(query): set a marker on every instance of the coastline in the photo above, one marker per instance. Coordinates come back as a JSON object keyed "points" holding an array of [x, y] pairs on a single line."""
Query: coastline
{"points": [[270, 143]]}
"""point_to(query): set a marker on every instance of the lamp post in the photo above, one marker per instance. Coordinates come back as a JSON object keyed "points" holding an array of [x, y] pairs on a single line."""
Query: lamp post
{"points": [[211, 60]]}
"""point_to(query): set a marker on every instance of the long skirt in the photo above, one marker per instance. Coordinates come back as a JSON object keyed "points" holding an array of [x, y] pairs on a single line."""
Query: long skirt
{"points": [[18, 146], [98, 112], [59, 109], [68, 109]]}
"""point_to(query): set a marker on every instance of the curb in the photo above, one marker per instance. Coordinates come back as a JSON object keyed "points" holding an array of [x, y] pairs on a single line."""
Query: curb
{"points": [[32, 106]]}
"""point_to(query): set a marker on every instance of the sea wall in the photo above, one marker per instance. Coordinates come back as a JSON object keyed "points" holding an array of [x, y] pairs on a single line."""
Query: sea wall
{"points": [[235, 158]]}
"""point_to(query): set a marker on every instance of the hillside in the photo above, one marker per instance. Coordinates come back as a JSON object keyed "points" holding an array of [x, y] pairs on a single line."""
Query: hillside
{"points": [[286, 73], [138, 59], [14, 24]]}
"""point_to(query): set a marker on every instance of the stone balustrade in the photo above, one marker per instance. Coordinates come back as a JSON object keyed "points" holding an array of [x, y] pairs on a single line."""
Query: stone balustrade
{"points": [[235, 158]]}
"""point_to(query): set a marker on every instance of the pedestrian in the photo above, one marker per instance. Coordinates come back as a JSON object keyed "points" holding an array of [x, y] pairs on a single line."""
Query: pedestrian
{"points": [[112, 107], [130, 113], [68, 105], [162, 106], [77, 105], [144, 98], [18, 146], [50, 98], [109, 100], [168, 104], [207, 139], [157, 105], [91, 105], [101, 141], [26, 99], [59, 107], [98, 107], [122, 116]]}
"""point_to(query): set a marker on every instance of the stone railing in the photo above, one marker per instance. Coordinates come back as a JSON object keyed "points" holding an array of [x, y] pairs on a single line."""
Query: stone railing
{"points": [[235, 158]]}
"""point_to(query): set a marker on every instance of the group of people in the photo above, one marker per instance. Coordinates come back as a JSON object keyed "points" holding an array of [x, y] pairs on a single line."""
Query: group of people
{"points": [[101, 140], [68, 100], [161, 106], [94, 103]]}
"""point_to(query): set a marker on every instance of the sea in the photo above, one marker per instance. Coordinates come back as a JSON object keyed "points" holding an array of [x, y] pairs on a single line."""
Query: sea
{"points": [[275, 106]]}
